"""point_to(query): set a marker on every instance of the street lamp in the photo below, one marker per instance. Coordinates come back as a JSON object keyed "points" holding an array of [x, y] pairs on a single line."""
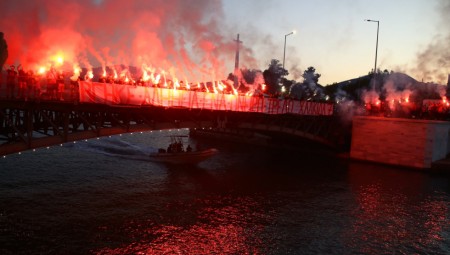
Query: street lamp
{"points": [[284, 53], [376, 49]]}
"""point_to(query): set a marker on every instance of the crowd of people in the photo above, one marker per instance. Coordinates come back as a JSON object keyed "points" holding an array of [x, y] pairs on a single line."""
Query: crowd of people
{"points": [[16, 82], [428, 109], [177, 147], [29, 85], [52, 84], [222, 86]]}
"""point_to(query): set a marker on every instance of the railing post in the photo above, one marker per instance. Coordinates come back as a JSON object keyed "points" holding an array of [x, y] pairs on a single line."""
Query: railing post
{"points": [[66, 126], [29, 123]]}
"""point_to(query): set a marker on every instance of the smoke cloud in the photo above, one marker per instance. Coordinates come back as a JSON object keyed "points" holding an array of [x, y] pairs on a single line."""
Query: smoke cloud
{"points": [[186, 37], [433, 63]]}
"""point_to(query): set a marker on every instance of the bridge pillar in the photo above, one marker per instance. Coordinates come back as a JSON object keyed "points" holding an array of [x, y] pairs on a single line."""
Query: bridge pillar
{"points": [[402, 142]]}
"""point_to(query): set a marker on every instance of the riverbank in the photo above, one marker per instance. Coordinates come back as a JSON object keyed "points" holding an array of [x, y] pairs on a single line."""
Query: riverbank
{"points": [[280, 142], [441, 166]]}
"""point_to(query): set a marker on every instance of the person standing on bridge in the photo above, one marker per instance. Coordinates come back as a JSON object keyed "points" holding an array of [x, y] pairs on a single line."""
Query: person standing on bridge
{"points": [[11, 78], [3, 54], [52, 84]]}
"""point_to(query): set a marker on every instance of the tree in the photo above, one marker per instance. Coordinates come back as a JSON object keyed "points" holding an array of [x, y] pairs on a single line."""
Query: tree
{"points": [[230, 77], [249, 75], [273, 75], [287, 84], [310, 76], [309, 89]]}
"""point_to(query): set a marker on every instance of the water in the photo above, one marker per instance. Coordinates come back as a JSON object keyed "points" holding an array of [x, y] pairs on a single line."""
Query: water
{"points": [[104, 197]]}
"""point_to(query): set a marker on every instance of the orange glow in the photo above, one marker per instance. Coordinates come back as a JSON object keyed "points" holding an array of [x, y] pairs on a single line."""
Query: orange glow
{"points": [[76, 72], [41, 70], [176, 84], [64, 45], [90, 74], [214, 87], [220, 86], [407, 100], [165, 80], [60, 60], [145, 76], [263, 87], [157, 79]]}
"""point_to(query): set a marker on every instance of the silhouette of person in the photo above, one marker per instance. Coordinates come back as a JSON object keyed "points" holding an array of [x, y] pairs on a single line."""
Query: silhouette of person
{"points": [[3, 50], [11, 78], [52, 84], [3, 55]]}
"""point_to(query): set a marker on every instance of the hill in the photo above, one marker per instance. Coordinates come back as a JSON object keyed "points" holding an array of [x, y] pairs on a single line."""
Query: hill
{"points": [[385, 83]]}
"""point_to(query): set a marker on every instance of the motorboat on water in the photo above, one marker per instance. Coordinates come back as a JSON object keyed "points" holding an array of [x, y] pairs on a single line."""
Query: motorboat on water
{"points": [[190, 158], [176, 154]]}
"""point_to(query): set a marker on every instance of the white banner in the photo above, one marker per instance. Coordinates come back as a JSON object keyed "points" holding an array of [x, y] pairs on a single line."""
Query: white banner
{"points": [[120, 94]]}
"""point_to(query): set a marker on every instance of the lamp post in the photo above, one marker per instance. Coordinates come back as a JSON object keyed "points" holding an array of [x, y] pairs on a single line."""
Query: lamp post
{"points": [[376, 48], [284, 53]]}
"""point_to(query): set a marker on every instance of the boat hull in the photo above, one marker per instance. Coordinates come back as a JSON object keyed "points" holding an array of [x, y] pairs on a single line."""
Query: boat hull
{"points": [[193, 157]]}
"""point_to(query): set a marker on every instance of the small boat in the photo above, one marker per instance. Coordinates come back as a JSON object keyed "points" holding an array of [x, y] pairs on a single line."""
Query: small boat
{"points": [[190, 158], [175, 153]]}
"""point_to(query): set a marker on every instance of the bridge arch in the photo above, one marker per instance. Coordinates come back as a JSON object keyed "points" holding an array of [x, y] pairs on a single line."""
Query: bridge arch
{"points": [[324, 130]]}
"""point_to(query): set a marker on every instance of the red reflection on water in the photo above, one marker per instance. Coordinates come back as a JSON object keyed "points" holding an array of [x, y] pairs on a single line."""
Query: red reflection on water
{"points": [[391, 209], [198, 239], [436, 220], [217, 230]]}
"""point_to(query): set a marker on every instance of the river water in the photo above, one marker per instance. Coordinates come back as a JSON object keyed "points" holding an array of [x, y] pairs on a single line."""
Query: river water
{"points": [[103, 196]]}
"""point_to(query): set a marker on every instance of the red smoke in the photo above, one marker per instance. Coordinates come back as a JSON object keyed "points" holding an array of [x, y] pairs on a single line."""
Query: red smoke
{"points": [[177, 36]]}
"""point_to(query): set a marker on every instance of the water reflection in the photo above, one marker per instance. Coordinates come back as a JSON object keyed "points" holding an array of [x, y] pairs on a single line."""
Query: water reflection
{"points": [[222, 225], [80, 199], [394, 208]]}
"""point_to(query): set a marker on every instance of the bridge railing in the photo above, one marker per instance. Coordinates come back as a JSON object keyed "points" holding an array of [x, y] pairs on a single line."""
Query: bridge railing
{"points": [[120, 94], [37, 88]]}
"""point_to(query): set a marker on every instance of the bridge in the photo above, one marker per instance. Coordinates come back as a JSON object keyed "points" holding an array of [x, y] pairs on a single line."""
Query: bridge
{"points": [[91, 109]]}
